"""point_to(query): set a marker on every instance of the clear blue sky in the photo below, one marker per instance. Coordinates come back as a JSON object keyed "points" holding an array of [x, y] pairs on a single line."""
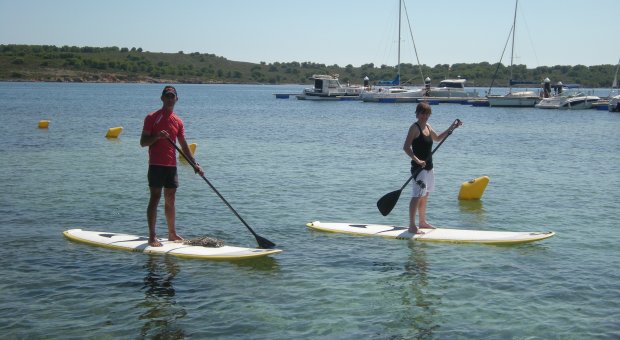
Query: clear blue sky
{"points": [[356, 32]]}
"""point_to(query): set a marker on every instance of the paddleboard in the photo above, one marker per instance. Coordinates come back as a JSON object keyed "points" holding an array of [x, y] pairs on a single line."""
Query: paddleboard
{"points": [[432, 235], [140, 244]]}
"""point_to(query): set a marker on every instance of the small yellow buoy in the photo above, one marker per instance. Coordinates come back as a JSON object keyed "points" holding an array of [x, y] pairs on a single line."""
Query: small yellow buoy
{"points": [[114, 132], [192, 148], [44, 124], [473, 189]]}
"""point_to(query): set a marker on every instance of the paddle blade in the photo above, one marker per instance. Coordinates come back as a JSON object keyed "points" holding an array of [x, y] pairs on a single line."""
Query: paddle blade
{"points": [[264, 243], [388, 201]]}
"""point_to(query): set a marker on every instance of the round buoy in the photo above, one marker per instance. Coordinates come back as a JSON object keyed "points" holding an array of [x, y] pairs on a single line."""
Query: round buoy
{"points": [[44, 124]]}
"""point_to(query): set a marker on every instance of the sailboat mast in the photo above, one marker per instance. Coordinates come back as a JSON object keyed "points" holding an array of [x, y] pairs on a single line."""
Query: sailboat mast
{"points": [[614, 84], [399, 17], [512, 49]]}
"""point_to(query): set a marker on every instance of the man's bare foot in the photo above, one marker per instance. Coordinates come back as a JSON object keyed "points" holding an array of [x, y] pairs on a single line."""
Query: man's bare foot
{"points": [[415, 230], [426, 226], [155, 243]]}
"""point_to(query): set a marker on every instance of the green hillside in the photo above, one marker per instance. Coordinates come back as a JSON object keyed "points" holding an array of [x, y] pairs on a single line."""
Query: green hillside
{"points": [[114, 64]]}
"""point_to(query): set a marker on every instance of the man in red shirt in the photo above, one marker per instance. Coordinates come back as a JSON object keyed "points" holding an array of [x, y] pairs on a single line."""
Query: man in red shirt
{"points": [[158, 127]]}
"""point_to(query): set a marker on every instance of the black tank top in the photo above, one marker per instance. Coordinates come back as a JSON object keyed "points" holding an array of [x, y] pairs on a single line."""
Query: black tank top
{"points": [[422, 148]]}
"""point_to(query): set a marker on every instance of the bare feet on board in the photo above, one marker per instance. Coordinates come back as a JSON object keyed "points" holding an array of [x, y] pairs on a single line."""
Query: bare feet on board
{"points": [[175, 238], [154, 243], [415, 230]]}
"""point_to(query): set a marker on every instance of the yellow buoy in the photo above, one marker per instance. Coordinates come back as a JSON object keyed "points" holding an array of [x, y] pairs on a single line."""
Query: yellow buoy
{"points": [[192, 148], [473, 189], [44, 124], [114, 132]]}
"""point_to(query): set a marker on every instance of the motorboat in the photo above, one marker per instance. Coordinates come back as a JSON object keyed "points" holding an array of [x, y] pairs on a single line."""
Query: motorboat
{"points": [[396, 94], [579, 101], [514, 99], [614, 104], [571, 99], [328, 87], [448, 90]]}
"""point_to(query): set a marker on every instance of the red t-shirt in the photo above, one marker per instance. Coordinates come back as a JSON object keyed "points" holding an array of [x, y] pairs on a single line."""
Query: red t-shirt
{"points": [[162, 152]]}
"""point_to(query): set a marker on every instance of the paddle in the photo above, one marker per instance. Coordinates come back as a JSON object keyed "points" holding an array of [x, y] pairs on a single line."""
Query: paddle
{"points": [[262, 242], [389, 200]]}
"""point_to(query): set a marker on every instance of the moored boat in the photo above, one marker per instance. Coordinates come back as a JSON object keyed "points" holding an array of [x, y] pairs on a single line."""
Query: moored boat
{"points": [[571, 100], [328, 87], [614, 101], [448, 90], [517, 98], [391, 91], [451, 88], [514, 99]]}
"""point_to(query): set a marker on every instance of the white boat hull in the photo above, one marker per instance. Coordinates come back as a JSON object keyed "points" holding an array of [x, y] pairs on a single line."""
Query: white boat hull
{"points": [[414, 96], [513, 100], [334, 98], [328, 87], [568, 103]]}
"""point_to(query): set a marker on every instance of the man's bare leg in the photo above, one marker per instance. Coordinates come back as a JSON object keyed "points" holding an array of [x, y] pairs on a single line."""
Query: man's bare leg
{"points": [[151, 216], [169, 200]]}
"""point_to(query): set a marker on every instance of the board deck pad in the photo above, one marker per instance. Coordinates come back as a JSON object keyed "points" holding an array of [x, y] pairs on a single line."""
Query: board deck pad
{"points": [[140, 244], [432, 235]]}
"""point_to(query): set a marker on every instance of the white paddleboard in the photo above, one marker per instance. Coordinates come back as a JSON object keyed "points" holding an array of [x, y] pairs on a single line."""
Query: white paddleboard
{"points": [[433, 235], [140, 244]]}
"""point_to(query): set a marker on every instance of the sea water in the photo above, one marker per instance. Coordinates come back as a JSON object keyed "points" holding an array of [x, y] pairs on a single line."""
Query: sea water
{"points": [[282, 163]]}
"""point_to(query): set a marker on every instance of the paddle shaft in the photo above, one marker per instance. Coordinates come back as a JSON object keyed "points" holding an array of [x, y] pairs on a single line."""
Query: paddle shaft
{"points": [[263, 242]]}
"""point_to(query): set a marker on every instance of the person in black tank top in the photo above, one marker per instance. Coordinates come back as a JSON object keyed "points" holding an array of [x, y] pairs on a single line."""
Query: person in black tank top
{"points": [[418, 146], [422, 147]]}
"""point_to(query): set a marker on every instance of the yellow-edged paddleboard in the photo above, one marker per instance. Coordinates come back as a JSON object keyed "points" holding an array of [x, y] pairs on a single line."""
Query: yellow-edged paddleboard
{"points": [[433, 235], [140, 244]]}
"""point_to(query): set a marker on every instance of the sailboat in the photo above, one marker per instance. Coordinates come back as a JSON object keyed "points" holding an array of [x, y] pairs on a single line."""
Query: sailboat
{"points": [[448, 90], [614, 102], [514, 99], [392, 91]]}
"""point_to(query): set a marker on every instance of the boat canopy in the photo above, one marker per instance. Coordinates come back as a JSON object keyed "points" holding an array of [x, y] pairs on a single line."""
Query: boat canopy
{"points": [[394, 82], [452, 83]]}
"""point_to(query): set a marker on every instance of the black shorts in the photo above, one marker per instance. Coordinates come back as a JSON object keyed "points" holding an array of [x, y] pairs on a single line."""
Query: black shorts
{"points": [[163, 176]]}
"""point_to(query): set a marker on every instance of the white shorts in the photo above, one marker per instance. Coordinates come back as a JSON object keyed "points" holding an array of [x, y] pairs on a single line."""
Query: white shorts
{"points": [[424, 183]]}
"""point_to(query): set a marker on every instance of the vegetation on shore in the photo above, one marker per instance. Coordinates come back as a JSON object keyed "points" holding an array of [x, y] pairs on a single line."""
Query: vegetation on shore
{"points": [[114, 64]]}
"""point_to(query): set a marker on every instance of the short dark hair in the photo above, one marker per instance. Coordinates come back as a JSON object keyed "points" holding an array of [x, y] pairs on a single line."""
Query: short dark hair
{"points": [[423, 107]]}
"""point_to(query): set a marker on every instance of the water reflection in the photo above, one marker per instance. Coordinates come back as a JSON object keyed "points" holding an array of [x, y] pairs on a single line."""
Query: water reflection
{"points": [[161, 310], [419, 296], [265, 263], [473, 208]]}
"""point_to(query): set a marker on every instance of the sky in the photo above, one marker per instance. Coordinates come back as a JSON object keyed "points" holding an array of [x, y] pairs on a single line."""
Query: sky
{"points": [[342, 32]]}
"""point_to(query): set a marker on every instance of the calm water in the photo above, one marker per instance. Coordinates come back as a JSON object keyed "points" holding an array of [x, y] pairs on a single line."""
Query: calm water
{"points": [[283, 163]]}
